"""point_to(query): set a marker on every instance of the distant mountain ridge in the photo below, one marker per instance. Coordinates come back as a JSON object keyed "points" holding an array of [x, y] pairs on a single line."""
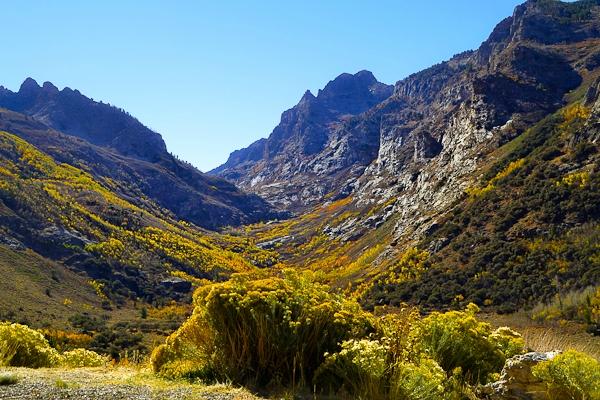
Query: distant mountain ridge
{"points": [[71, 112], [116, 145]]}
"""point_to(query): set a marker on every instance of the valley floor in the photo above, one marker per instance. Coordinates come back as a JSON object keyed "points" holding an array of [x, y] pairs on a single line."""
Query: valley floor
{"points": [[124, 383], [548, 336]]}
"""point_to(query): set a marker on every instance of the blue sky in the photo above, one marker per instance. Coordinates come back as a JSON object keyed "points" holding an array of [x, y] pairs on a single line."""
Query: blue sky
{"points": [[214, 76]]}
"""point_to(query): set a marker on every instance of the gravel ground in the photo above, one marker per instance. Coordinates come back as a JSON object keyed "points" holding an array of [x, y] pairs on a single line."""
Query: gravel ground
{"points": [[117, 384]]}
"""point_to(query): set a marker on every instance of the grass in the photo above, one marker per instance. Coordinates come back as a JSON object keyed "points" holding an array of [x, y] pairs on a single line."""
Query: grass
{"points": [[60, 384], [8, 379], [548, 336], [31, 277]]}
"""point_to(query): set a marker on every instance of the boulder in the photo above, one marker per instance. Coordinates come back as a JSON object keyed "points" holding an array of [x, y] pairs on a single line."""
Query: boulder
{"points": [[176, 284], [517, 381]]}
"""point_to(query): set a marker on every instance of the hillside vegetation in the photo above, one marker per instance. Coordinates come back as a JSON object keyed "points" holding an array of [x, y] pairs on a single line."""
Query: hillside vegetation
{"points": [[67, 240]]}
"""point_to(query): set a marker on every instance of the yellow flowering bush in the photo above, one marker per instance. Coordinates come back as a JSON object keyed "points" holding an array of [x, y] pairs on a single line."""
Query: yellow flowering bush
{"points": [[82, 358], [21, 346], [359, 368], [265, 330], [422, 381], [571, 375], [187, 352], [456, 339]]}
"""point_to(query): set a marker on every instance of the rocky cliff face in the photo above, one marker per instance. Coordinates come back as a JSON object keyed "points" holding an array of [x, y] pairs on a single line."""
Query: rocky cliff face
{"points": [[422, 145], [112, 144], [455, 114], [287, 167]]}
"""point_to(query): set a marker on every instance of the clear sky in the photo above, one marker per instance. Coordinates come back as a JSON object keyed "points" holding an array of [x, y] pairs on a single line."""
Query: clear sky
{"points": [[213, 76]]}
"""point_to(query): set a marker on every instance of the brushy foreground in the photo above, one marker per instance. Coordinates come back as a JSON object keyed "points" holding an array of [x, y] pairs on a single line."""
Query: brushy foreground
{"points": [[293, 332]]}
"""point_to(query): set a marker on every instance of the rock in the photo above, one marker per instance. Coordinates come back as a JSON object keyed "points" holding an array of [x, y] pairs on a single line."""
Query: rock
{"points": [[61, 236], [12, 243], [271, 244], [298, 147], [517, 381], [176, 284]]}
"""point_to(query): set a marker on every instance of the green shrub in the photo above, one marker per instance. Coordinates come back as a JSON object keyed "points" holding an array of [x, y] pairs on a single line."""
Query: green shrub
{"points": [[576, 305], [363, 369], [21, 346], [60, 384], [570, 375], [82, 358], [422, 381], [457, 340], [8, 379], [273, 330], [358, 369]]}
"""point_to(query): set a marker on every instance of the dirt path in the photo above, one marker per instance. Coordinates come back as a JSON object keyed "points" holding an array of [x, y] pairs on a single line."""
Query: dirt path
{"points": [[108, 383]]}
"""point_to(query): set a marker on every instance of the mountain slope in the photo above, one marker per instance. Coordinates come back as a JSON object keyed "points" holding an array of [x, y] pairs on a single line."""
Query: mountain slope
{"points": [[58, 220], [117, 146]]}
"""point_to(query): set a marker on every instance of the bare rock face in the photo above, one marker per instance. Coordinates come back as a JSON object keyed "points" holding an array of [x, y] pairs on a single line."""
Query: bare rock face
{"points": [[591, 131], [305, 156], [517, 381]]}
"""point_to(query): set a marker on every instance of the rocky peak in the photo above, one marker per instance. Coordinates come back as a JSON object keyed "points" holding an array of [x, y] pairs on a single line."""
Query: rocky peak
{"points": [[305, 129], [307, 97], [544, 22], [71, 112], [29, 85], [353, 94], [49, 87]]}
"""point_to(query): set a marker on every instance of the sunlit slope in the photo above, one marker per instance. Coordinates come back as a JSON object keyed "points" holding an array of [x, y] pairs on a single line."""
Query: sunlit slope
{"points": [[121, 251]]}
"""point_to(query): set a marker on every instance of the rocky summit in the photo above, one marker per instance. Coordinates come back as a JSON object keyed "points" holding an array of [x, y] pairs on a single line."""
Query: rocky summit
{"points": [[284, 167]]}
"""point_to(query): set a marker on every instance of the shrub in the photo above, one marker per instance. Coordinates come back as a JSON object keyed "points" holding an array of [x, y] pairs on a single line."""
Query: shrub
{"points": [[21, 346], [8, 379], [457, 340], [364, 369], [187, 352], [82, 358], [576, 305], [571, 375], [359, 368], [63, 340], [265, 330], [422, 381]]}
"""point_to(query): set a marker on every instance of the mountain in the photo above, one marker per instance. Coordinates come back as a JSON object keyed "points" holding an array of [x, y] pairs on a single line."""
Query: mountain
{"points": [[436, 124], [282, 168], [476, 180], [110, 143], [473, 184]]}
